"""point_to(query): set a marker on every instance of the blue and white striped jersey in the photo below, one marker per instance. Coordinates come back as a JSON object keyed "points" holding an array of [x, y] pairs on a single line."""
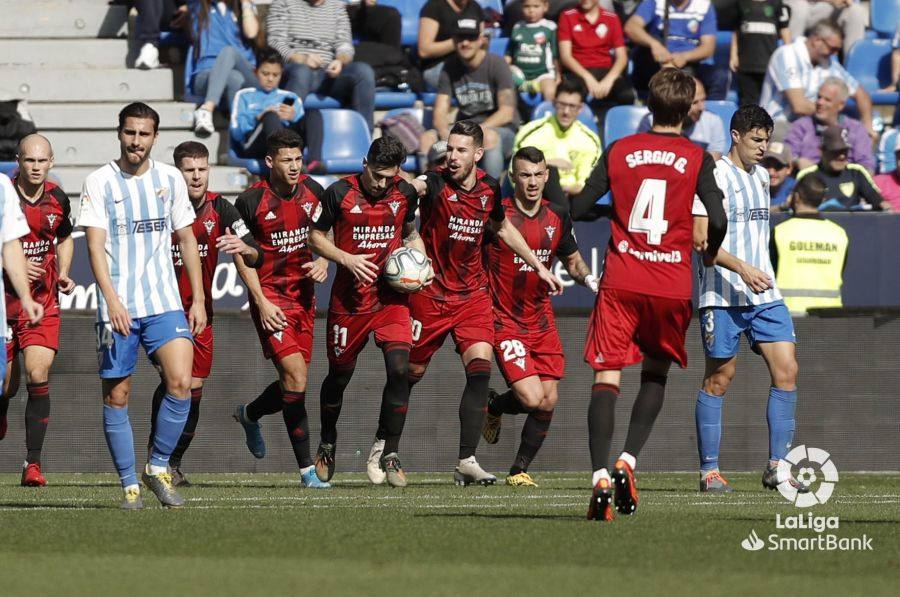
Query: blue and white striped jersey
{"points": [[139, 214], [747, 208], [13, 225]]}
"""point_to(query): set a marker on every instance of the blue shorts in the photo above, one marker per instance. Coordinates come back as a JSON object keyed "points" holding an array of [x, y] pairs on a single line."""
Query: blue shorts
{"points": [[721, 327], [118, 354], [3, 361]]}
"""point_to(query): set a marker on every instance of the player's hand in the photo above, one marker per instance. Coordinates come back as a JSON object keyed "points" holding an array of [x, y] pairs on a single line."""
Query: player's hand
{"points": [[34, 271], [678, 60], [755, 279], [285, 112], [197, 318], [317, 270], [272, 318], [362, 269], [592, 283], [231, 244], [334, 68], [734, 63], [119, 318], [66, 284], [660, 53], [552, 281], [33, 310], [603, 87]]}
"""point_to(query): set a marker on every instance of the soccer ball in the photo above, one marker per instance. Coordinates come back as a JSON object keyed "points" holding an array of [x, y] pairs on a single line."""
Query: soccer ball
{"points": [[407, 270]]}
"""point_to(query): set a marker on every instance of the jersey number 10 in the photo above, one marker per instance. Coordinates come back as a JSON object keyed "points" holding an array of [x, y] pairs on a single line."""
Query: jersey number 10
{"points": [[648, 211]]}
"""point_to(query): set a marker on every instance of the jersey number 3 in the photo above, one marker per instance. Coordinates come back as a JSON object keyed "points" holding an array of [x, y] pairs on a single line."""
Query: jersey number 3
{"points": [[648, 212]]}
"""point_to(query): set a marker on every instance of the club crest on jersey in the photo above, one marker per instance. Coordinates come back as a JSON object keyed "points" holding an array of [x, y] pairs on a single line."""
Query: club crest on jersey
{"points": [[51, 219], [601, 30], [209, 225], [394, 205], [551, 230], [278, 335], [307, 207], [270, 215], [520, 363], [484, 200]]}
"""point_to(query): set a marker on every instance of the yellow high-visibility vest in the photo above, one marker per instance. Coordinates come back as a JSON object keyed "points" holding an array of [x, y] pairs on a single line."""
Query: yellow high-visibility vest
{"points": [[811, 254]]}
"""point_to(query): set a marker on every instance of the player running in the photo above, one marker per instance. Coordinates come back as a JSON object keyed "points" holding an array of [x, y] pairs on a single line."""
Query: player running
{"points": [[526, 343], [48, 248], [217, 227], [644, 305], [371, 215], [278, 212], [738, 296], [129, 209], [455, 205]]}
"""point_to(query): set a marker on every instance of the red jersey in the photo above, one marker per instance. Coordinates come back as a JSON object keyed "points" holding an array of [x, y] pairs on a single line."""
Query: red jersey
{"points": [[365, 225], [592, 42], [213, 217], [521, 298], [49, 221], [280, 226], [452, 226]]}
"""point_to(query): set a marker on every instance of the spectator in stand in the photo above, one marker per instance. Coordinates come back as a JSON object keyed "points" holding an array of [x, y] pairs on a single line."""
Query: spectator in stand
{"points": [[678, 33], [437, 22], [512, 11], [153, 16], [703, 128], [570, 146], [889, 183], [805, 135], [482, 86], [848, 186], [437, 156], [778, 160], [895, 73], [532, 51], [223, 35], [372, 22], [797, 70], [314, 39], [760, 25], [850, 17], [261, 110], [592, 48]]}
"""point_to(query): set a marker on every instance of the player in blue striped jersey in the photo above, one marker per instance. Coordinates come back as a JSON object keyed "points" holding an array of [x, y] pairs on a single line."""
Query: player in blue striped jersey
{"points": [[129, 209], [738, 296]]}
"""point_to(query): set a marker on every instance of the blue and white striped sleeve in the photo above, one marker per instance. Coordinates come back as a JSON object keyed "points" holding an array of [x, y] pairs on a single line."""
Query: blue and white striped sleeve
{"points": [[92, 211]]}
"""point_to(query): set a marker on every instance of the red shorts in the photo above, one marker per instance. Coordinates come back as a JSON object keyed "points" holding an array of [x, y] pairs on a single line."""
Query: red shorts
{"points": [[203, 353], [526, 354], [21, 334], [297, 336], [469, 321], [348, 334], [626, 324]]}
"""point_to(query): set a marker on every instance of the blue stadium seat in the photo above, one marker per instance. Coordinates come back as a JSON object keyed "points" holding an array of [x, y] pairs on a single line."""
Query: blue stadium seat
{"points": [[345, 141], [409, 18], [887, 159], [885, 15], [315, 101], [724, 110], [492, 4], [622, 121], [498, 45], [324, 180], [388, 99], [870, 62], [8, 167], [585, 116], [428, 98]]}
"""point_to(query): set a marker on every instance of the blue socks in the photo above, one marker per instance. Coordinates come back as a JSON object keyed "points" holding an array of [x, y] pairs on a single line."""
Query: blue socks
{"points": [[780, 417], [708, 416], [173, 413], [120, 440]]}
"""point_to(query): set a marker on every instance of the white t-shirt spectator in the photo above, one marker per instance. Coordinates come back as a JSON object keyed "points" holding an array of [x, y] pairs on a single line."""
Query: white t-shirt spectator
{"points": [[13, 225]]}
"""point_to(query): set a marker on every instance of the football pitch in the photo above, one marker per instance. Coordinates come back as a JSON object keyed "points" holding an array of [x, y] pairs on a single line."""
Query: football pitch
{"points": [[261, 534]]}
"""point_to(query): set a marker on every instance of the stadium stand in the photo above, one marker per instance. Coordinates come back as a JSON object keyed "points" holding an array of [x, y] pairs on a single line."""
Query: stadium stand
{"points": [[409, 15], [621, 121], [345, 140], [887, 158], [884, 17], [724, 109], [585, 116], [870, 62]]}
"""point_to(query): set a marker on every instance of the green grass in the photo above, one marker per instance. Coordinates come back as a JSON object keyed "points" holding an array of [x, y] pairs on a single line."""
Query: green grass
{"points": [[261, 534]]}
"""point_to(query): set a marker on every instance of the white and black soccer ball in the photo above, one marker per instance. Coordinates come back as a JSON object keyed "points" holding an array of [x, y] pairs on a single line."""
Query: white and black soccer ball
{"points": [[407, 270]]}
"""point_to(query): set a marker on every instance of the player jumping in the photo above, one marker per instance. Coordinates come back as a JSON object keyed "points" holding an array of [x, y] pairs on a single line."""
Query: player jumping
{"points": [[278, 212], [644, 305], [217, 227], [526, 343], [372, 214]]}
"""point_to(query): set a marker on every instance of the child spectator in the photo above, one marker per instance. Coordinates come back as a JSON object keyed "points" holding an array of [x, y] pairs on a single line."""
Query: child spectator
{"points": [[532, 51], [760, 24], [260, 111]]}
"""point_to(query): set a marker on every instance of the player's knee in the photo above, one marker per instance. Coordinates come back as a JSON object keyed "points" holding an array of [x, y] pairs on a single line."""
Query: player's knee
{"points": [[38, 374], [117, 398], [415, 372], [530, 398], [784, 376], [293, 381], [549, 402], [179, 385], [717, 384]]}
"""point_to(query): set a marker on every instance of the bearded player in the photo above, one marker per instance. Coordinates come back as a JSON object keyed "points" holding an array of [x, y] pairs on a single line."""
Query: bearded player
{"points": [[526, 343], [48, 248], [644, 307], [456, 203], [218, 227], [371, 214]]}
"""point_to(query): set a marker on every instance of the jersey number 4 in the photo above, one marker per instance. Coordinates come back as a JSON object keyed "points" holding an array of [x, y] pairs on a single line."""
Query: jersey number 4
{"points": [[648, 212]]}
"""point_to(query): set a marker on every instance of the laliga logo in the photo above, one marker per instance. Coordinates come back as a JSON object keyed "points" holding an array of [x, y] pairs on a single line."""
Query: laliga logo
{"points": [[807, 476]]}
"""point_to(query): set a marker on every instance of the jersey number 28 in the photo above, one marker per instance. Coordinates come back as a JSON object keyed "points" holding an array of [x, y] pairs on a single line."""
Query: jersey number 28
{"points": [[648, 211]]}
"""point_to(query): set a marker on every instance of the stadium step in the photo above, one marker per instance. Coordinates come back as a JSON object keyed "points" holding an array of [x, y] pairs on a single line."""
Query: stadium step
{"points": [[86, 148], [103, 116], [62, 18], [86, 85], [63, 53], [227, 180]]}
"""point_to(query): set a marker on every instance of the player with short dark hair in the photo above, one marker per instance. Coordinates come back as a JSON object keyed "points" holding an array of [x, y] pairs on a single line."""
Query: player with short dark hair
{"points": [[643, 308], [371, 214], [217, 227], [278, 211], [526, 343], [48, 248], [456, 203]]}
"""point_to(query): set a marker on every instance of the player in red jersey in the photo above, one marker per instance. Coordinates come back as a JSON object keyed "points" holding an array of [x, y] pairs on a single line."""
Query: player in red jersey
{"points": [[644, 305], [218, 227], [278, 212], [371, 215], [526, 343], [456, 203], [48, 249]]}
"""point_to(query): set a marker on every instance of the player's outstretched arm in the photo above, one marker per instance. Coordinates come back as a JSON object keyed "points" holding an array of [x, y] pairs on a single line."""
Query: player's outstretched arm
{"points": [[755, 279], [14, 267], [411, 237], [190, 254], [584, 204], [271, 317], [362, 269], [580, 272], [65, 251], [510, 235], [119, 318], [712, 199]]}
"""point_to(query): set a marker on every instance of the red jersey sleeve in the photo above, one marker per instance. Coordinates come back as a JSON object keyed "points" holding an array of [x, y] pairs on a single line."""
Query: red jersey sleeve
{"points": [[616, 38], [331, 206], [564, 30], [65, 227]]}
